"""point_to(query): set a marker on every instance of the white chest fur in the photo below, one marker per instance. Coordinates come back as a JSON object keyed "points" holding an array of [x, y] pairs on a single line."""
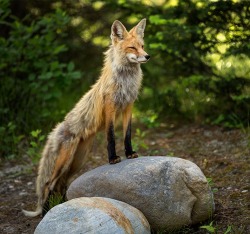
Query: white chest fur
{"points": [[127, 83]]}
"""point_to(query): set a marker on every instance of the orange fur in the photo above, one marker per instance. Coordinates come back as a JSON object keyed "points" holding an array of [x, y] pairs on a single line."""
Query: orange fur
{"points": [[127, 115]]}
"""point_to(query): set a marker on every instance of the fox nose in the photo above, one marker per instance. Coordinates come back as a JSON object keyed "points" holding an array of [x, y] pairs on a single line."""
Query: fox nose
{"points": [[147, 57]]}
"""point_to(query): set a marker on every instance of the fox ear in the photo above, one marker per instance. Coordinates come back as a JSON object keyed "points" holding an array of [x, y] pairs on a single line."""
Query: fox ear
{"points": [[140, 27], [118, 30]]}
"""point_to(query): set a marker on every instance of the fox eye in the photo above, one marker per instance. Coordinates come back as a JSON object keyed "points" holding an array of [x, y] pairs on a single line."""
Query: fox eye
{"points": [[132, 47], [142, 46]]}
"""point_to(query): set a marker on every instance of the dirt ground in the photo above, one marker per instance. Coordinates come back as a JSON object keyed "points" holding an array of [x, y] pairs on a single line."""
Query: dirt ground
{"points": [[223, 155]]}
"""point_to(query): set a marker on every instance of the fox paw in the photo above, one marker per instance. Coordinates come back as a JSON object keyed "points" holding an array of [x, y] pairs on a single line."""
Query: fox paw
{"points": [[133, 155], [115, 160]]}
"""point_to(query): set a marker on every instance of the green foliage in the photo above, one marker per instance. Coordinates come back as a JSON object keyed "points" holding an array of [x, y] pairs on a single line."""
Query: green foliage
{"points": [[229, 229], [55, 199], [210, 228], [150, 119], [211, 184], [32, 77], [10, 140], [36, 143], [196, 40], [138, 140]]}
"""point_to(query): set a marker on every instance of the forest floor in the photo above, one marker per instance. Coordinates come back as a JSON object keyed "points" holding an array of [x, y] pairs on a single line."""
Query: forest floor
{"points": [[223, 156]]}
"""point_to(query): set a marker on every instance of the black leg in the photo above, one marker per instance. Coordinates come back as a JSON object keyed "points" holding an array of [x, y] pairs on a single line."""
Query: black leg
{"points": [[127, 143], [113, 158]]}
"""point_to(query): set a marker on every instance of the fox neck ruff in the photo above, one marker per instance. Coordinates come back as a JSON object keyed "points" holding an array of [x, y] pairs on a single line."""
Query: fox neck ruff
{"points": [[126, 77]]}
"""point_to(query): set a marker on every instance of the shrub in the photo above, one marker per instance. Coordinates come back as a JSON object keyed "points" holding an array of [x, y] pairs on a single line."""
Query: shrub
{"points": [[32, 76]]}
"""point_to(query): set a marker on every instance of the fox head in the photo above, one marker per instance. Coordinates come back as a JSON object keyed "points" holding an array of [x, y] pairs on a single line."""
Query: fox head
{"points": [[129, 46]]}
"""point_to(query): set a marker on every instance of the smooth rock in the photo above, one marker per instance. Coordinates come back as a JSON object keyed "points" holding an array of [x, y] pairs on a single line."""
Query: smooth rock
{"points": [[93, 215], [171, 192]]}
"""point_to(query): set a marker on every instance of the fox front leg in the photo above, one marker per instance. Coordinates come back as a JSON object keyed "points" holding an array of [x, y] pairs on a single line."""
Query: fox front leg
{"points": [[113, 158], [110, 131], [127, 116]]}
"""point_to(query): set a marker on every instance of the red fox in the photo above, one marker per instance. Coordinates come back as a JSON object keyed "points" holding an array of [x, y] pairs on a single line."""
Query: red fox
{"points": [[113, 94]]}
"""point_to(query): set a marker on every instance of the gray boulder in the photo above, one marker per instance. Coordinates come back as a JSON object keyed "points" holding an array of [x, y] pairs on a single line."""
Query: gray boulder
{"points": [[93, 215], [171, 192]]}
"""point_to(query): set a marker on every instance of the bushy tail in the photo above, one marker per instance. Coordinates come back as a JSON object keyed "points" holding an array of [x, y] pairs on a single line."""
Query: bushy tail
{"points": [[47, 172], [38, 211], [62, 157]]}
